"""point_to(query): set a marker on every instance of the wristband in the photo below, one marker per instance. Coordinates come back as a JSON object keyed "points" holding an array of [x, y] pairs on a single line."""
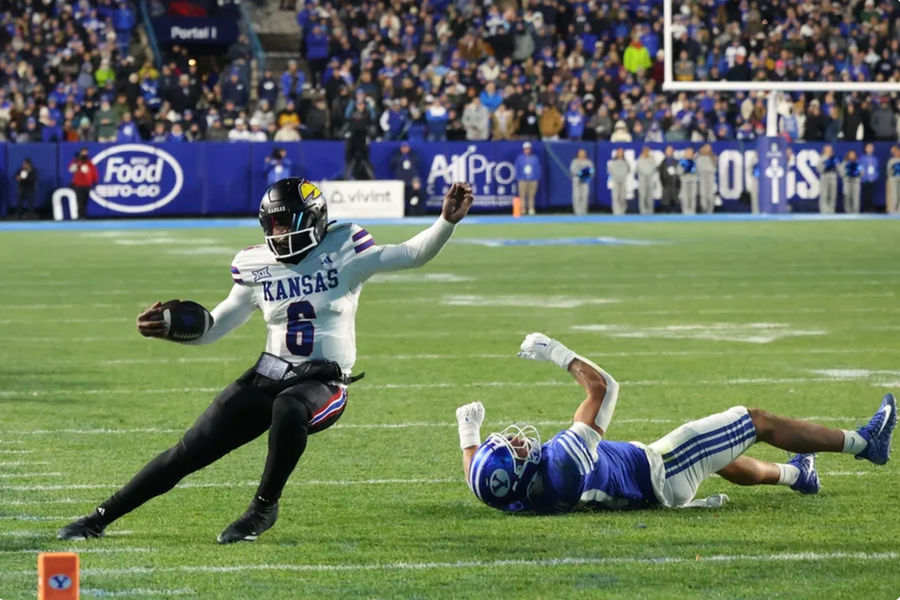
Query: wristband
{"points": [[560, 354], [469, 435]]}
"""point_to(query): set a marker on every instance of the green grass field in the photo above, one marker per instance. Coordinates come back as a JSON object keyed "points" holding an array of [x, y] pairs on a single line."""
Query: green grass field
{"points": [[801, 318]]}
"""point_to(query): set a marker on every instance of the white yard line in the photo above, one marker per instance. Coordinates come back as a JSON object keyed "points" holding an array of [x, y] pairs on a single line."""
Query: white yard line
{"points": [[83, 550], [564, 561], [232, 484], [505, 356], [28, 475], [406, 425], [134, 592]]}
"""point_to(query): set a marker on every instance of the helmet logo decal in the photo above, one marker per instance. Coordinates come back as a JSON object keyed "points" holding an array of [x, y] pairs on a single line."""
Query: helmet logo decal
{"points": [[308, 191], [499, 483]]}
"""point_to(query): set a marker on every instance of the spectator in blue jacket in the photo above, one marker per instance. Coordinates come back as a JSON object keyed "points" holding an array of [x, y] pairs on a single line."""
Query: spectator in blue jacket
{"points": [[235, 90], [277, 166], [268, 88], [436, 119], [491, 97], [317, 52], [575, 121], [127, 131], [871, 173], [528, 173], [292, 81]]}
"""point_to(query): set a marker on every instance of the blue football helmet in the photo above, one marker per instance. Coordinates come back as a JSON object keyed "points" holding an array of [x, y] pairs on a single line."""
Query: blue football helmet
{"points": [[504, 465]]}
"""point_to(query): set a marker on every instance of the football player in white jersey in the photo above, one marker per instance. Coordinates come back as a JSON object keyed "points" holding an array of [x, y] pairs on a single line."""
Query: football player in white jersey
{"points": [[513, 471], [306, 280]]}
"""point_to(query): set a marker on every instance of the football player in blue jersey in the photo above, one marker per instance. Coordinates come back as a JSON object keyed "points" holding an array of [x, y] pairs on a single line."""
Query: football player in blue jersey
{"points": [[513, 471]]}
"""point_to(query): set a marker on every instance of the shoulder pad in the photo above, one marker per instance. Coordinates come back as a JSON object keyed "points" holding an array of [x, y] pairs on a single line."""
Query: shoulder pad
{"points": [[248, 260]]}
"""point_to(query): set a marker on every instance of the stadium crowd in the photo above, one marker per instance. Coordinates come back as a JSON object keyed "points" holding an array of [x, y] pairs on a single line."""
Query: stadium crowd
{"points": [[454, 70]]}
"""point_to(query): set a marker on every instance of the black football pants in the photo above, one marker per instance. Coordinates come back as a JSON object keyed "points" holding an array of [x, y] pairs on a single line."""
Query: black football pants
{"points": [[239, 414]]}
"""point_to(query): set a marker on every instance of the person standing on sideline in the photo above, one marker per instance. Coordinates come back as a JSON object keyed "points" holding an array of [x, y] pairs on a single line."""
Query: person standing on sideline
{"points": [[405, 167], [277, 166], [851, 171], [668, 178], [706, 173], [646, 170], [871, 173], [892, 198], [828, 173], [687, 172], [528, 173], [582, 173], [26, 180], [618, 170], [84, 177]]}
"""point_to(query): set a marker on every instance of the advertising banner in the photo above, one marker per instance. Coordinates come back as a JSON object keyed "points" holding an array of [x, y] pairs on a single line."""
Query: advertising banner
{"points": [[229, 178], [195, 30], [379, 199]]}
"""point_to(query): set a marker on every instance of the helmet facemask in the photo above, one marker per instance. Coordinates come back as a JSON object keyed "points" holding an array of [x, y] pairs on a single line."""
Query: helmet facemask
{"points": [[523, 443], [504, 465], [295, 242]]}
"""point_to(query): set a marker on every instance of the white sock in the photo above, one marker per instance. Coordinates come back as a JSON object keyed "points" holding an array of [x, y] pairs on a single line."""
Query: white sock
{"points": [[787, 474], [854, 443]]}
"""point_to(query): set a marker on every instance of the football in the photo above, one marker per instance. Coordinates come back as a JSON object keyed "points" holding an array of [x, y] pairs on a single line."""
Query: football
{"points": [[185, 320]]}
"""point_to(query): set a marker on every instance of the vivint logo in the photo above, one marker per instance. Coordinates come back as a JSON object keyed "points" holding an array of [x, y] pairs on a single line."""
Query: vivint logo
{"points": [[135, 178]]}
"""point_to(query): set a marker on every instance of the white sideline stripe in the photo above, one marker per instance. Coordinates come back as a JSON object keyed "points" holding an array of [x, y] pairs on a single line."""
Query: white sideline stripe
{"points": [[508, 355], [29, 475], [46, 501], [492, 564], [22, 463], [16, 451], [10, 441], [83, 550], [446, 385], [131, 593], [407, 425], [336, 482], [43, 534], [35, 517]]}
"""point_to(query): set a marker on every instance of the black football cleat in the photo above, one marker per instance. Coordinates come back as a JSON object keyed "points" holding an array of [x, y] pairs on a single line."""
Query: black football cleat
{"points": [[90, 526], [257, 519]]}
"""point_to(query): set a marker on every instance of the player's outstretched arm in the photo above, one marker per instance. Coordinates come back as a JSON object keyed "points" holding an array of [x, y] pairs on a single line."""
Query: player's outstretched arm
{"points": [[232, 312], [422, 247], [602, 390], [469, 418]]}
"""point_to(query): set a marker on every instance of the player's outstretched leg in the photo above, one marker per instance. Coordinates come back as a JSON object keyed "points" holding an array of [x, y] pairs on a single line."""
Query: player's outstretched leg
{"points": [[871, 442], [238, 415], [799, 473]]}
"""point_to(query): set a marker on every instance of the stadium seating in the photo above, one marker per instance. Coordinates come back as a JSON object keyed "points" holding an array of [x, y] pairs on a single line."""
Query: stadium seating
{"points": [[419, 64]]}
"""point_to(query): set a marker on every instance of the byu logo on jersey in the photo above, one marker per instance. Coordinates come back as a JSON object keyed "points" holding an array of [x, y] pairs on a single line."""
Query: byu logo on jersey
{"points": [[499, 483]]}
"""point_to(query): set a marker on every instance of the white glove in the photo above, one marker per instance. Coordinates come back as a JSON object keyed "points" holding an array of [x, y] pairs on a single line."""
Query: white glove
{"points": [[469, 418], [538, 346]]}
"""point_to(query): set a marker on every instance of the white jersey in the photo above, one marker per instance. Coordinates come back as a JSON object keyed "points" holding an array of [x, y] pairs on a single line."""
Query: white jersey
{"points": [[310, 307]]}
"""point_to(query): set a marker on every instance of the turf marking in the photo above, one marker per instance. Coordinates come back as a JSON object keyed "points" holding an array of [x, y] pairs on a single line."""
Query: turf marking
{"points": [[46, 501], [29, 475], [133, 592], [524, 301], [23, 463], [43, 534], [405, 425], [83, 550], [504, 356], [211, 484], [563, 561], [419, 278], [16, 451], [754, 333]]}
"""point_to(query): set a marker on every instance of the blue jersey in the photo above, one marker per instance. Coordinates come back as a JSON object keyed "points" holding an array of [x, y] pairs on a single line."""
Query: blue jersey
{"points": [[617, 476], [688, 165], [853, 169]]}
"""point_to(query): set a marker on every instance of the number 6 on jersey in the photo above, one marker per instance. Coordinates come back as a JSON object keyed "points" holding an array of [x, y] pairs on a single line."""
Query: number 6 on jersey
{"points": [[300, 329]]}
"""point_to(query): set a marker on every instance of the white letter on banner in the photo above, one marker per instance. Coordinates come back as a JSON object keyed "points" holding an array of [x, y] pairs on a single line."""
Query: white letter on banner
{"points": [[808, 187], [731, 185]]}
